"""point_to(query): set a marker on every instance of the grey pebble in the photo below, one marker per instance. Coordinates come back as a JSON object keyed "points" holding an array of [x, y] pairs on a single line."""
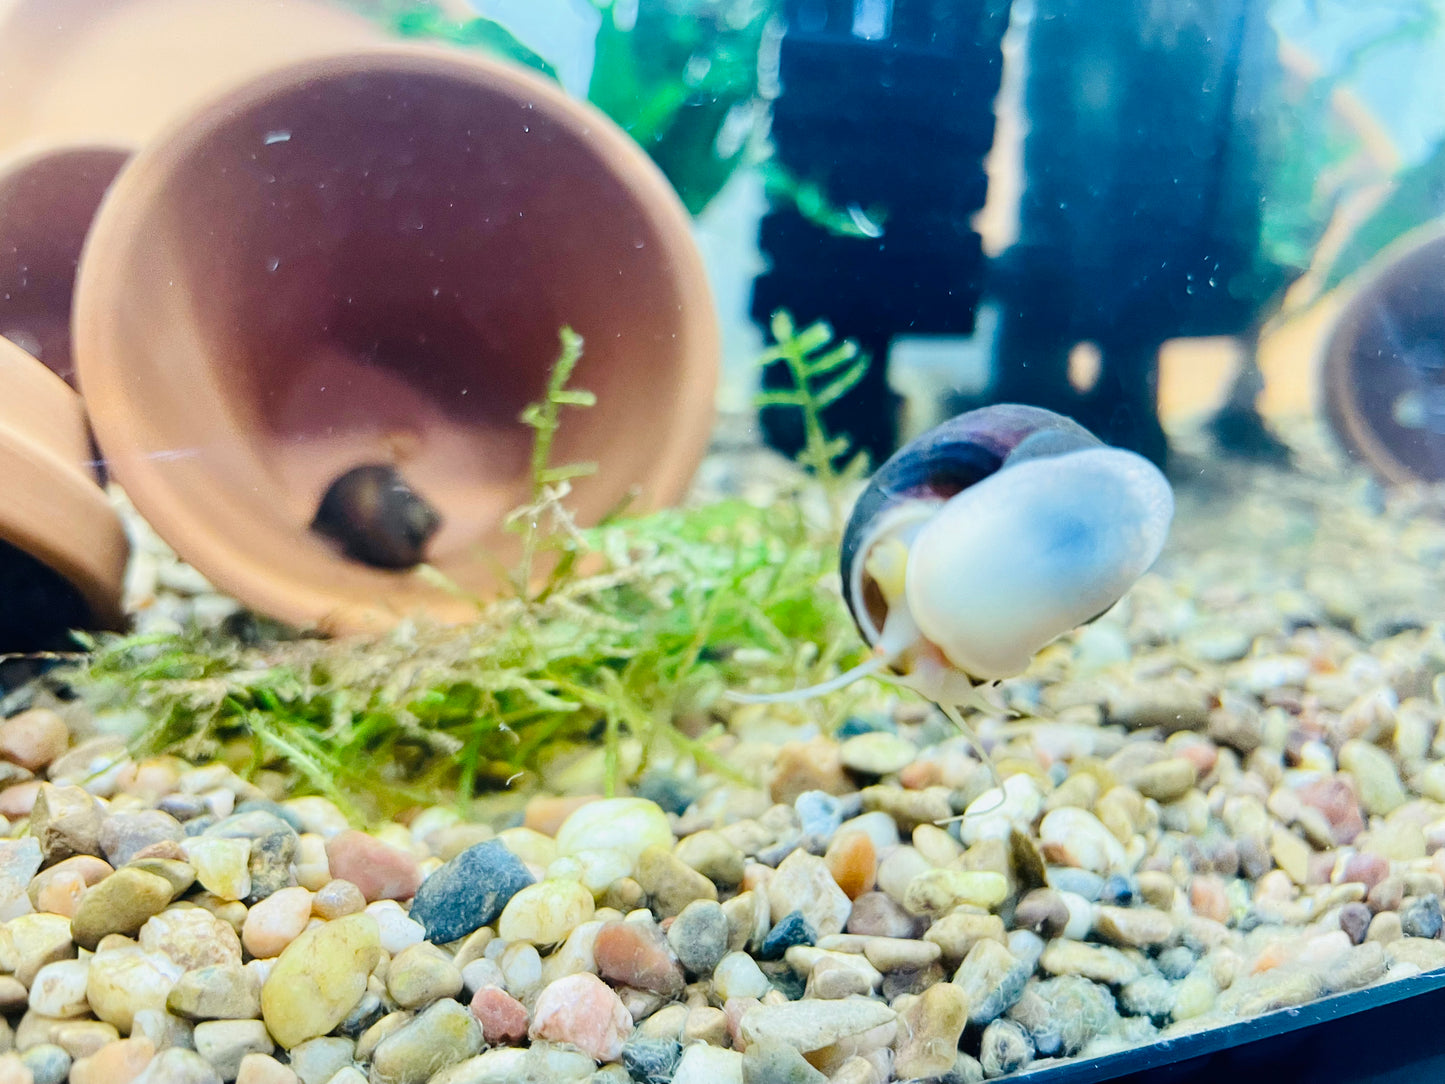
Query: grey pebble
{"points": [[699, 936], [1005, 1048], [469, 892], [48, 1063], [651, 1061], [774, 1062], [1421, 917]]}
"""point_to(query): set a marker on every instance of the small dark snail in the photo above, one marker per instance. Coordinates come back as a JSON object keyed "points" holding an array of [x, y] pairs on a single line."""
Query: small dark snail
{"points": [[986, 538], [377, 518]]}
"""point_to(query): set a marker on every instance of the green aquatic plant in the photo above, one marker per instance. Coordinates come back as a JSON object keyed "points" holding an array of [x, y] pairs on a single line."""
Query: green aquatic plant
{"points": [[639, 625]]}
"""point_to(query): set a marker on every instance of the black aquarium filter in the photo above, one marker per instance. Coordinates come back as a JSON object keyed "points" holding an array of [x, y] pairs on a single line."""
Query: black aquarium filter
{"points": [[887, 105]]}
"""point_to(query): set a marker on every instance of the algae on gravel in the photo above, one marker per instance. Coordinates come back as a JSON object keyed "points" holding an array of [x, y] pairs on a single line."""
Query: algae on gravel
{"points": [[631, 654]]}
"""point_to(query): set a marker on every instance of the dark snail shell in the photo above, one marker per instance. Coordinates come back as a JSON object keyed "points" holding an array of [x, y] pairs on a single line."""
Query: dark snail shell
{"points": [[940, 464], [377, 518]]}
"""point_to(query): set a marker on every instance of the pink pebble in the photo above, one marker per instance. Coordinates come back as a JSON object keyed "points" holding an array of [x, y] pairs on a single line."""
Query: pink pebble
{"points": [[503, 1017], [33, 738], [1368, 869], [1208, 897], [381, 871], [17, 801], [1336, 800], [583, 1010], [637, 954]]}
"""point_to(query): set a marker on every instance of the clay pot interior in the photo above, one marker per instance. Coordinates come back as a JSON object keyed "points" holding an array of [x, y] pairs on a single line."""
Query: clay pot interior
{"points": [[48, 199], [62, 548], [368, 259], [118, 71], [1385, 363]]}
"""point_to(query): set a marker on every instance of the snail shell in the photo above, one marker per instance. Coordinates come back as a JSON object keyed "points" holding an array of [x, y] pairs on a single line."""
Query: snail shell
{"points": [[991, 535], [376, 517], [986, 538]]}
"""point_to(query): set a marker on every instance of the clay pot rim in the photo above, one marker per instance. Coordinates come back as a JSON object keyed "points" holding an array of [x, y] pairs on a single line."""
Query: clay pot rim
{"points": [[73, 528], [1336, 376], [362, 606]]}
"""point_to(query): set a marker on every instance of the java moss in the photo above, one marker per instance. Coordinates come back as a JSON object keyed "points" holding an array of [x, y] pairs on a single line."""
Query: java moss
{"points": [[631, 657]]}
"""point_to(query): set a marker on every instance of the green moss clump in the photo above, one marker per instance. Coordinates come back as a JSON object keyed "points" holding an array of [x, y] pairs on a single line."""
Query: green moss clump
{"points": [[632, 647]]}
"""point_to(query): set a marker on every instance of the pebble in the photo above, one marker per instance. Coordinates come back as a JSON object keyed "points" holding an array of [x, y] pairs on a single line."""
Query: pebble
{"points": [[264, 1069], [792, 929], [811, 1025], [222, 865], [276, 921], [115, 1063], [319, 978], [379, 870], [939, 891], [1098, 962], [29, 942], [546, 912], [637, 954], [929, 1031], [651, 1061], [584, 1011], [469, 891], [422, 974], [670, 883], [47, 1064], [772, 1062], [224, 1043], [699, 936], [1133, 927], [218, 992], [1075, 837], [124, 835], [398, 931], [317, 1061], [877, 753], [1421, 917], [436, 1039], [992, 979], [123, 982], [703, 1064], [711, 854], [1355, 921], [1005, 1048], [1381, 791], [738, 976], [191, 937], [802, 882], [629, 825], [65, 821], [852, 861], [34, 738], [503, 1018]]}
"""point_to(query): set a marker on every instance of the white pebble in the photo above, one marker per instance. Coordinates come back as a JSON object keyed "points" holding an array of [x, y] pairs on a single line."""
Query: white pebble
{"points": [[738, 975], [704, 1064], [397, 930]]}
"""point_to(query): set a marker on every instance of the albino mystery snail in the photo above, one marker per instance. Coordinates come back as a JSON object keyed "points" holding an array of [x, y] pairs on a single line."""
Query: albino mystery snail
{"points": [[984, 539]]}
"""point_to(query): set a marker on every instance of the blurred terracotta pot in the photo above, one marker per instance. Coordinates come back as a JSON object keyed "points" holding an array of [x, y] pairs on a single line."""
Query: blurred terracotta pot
{"points": [[48, 198], [62, 548], [367, 259], [1384, 368], [117, 71]]}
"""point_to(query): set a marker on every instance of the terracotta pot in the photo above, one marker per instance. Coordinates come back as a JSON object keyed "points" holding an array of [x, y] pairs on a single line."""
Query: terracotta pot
{"points": [[62, 548], [367, 259], [1384, 368], [48, 198], [118, 71]]}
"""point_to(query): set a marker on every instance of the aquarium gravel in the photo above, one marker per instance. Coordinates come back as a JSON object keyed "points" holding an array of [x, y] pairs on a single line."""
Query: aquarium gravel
{"points": [[1227, 796]]}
